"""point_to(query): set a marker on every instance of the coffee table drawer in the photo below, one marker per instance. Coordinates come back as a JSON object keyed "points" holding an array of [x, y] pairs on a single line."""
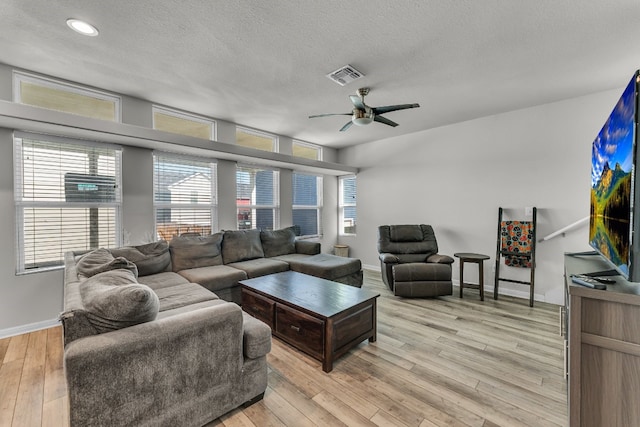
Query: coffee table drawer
{"points": [[258, 306], [300, 330]]}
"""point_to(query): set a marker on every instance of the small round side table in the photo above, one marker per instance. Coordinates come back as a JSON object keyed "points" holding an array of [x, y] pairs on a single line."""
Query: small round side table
{"points": [[476, 259]]}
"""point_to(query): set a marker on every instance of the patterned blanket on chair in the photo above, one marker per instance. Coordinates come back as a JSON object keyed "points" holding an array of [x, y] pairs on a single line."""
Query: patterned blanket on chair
{"points": [[516, 236]]}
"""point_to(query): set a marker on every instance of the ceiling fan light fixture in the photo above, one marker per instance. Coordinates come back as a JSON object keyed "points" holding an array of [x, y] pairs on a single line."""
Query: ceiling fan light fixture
{"points": [[362, 118], [82, 27]]}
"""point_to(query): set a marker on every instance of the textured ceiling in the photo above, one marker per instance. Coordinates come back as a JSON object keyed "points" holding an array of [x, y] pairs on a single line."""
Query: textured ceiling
{"points": [[262, 64]]}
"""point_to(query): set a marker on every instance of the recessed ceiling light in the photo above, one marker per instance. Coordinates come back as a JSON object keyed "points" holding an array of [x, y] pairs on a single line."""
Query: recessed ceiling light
{"points": [[82, 27]]}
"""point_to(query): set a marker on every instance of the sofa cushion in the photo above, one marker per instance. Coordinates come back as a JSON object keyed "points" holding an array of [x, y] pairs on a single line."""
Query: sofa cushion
{"points": [[162, 280], [326, 266], [183, 295], [260, 266], [278, 242], [150, 258], [114, 300], [214, 277], [241, 245], [195, 251], [101, 260]]}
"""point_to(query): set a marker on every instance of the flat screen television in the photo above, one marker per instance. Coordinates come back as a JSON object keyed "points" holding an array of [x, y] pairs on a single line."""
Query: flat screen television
{"points": [[615, 202]]}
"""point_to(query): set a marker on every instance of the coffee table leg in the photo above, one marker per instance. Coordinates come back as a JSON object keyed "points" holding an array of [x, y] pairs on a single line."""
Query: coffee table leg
{"points": [[327, 359]]}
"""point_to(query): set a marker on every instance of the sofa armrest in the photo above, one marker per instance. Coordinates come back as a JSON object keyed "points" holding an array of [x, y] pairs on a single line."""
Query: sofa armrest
{"points": [[307, 248], [256, 337], [122, 376], [440, 259], [389, 258]]}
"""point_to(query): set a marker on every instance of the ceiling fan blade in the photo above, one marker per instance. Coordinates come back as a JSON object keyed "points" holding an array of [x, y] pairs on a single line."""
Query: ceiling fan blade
{"points": [[389, 108], [385, 121], [346, 126], [330, 114], [357, 102]]}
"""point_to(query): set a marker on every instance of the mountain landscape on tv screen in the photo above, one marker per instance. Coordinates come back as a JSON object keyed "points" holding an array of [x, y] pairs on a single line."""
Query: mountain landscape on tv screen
{"points": [[610, 204]]}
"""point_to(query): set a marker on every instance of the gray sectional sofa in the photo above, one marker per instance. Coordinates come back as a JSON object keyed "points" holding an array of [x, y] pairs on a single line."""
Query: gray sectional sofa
{"points": [[152, 336]]}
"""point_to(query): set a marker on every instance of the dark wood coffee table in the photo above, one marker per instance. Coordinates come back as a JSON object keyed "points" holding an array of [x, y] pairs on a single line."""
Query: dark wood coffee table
{"points": [[322, 318]]}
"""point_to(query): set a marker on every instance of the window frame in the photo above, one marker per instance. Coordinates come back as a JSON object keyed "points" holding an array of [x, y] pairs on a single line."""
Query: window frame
{"points": [[276, 197], [21, 204], [342, 205], [259, 133], [212, 206], [318, 207], [184, 116], [61, 85]]}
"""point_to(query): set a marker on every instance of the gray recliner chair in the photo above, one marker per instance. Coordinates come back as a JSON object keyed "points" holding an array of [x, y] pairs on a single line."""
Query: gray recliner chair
{"points": [[410, 263]]}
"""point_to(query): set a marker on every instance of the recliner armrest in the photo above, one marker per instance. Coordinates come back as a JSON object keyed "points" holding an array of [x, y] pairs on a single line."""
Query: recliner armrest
{"points": [[389, 258], [440, 259]]}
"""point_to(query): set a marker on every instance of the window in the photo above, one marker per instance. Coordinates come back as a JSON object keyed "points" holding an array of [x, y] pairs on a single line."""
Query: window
{"points": [[56, 95], [347, 205], [184, 195], [256, 139], [68, 197], [173, 121], [258, 198], [307, 150], [307, 204]]}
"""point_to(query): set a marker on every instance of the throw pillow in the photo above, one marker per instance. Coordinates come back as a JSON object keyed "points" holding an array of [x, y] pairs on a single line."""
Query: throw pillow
{"points": [[241, 245], [195, 251], [115, 300], [101, 260], [278, 242], [150, 258]]}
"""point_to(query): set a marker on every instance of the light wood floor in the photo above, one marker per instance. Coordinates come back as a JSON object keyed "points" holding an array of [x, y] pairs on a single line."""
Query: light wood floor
{"points": [[437, 362]]}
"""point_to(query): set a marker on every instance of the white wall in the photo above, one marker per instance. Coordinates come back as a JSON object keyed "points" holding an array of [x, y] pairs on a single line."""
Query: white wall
{"points": [[456, 177]]}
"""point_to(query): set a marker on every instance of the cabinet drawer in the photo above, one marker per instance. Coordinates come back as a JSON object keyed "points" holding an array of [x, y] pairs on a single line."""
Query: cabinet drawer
{"points": [[300, 330], [258, 306]]}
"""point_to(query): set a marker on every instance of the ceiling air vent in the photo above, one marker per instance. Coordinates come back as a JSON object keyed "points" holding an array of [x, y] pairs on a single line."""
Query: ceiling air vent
{"points": [[345, 75]]}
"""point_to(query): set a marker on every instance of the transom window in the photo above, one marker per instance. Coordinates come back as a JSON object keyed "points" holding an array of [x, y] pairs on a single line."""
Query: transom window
{"points": [[258, 198], [347, 205], [67, 196], [307, 204], [307, 150], [56, 95], [255, 139], [173, 121], [185, 195]]}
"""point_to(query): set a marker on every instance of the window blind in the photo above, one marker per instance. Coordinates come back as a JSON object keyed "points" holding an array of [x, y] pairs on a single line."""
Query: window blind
{"points": [[307, 204], [185, 195], [348, 205], [258, 198], [68, 197]]}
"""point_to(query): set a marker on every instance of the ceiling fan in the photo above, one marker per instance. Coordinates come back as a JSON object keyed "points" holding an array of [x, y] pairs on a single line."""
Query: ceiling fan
{"points": [[362, 114]]}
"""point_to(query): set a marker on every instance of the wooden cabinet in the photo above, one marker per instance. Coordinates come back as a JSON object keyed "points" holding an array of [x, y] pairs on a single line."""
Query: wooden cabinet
{"points": [[603, 337]]}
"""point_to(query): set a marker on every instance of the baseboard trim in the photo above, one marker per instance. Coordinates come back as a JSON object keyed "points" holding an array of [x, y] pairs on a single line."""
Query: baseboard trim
{"points": [[31, 327]]}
